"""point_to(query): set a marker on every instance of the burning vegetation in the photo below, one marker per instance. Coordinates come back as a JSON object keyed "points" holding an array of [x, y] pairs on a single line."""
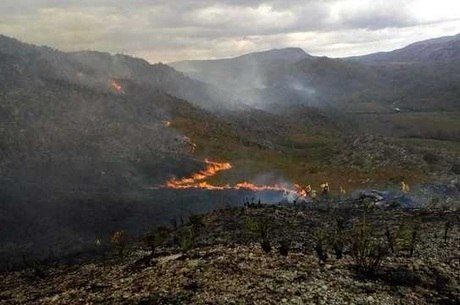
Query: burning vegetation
{"points": [[197, 181], [116, 87]]}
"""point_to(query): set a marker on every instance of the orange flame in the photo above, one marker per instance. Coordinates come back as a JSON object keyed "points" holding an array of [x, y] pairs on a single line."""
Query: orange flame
{"points": [[116, 87], [196, 181], [166, 123]]}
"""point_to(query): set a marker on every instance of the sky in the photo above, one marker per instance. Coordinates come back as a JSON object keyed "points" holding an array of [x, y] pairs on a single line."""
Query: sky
{"points": [[173, 30]]}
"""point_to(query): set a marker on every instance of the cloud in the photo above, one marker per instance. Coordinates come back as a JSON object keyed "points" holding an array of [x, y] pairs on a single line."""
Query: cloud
{"points": [[373, 14], [167, 30]]}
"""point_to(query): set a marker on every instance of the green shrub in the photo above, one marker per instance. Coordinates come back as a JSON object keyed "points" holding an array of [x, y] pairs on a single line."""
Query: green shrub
{"points": [[187, 239], [187, 236], [367, 250], [259, 228]]}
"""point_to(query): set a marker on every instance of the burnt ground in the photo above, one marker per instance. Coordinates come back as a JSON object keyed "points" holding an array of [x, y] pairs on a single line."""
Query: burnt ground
{"points": [[216, 258]]}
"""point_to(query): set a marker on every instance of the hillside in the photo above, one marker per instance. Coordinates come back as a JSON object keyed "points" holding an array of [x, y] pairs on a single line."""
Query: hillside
{"points": [[87, 138], [88, 141], [83, 138], [311, 260], [97, 70]]}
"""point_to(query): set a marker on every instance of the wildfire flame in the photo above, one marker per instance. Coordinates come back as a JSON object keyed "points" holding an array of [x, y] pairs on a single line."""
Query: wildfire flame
{"points": [[166, 123], [116, 87], [196, 181]]}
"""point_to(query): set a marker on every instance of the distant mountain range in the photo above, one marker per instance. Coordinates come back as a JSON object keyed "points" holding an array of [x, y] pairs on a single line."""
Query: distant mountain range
{"points": [[443, 49], [424, 76]]}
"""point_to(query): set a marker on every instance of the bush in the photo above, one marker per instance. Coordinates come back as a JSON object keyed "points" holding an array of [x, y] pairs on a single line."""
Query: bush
{"points": [[119, 241], [391, 240], [155, 239], [187, 239], [456, 168], [266, 246], [413, 241], [447, 227], [284, 247], [430, 158], [196, 221], [320, 248], [338, 249], [259, 228], [368, 253], [339, 237], [367, 250]]}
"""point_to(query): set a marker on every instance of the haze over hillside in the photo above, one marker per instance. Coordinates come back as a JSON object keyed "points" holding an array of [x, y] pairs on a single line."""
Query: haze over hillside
{"points": [[423, 76]]}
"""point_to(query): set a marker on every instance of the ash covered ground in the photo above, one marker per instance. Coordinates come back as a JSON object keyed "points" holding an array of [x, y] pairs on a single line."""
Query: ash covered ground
{"points": [[321, 253]]}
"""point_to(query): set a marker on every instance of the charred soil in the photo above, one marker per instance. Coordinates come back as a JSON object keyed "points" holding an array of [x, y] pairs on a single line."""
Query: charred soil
{"points": [[222, 258]]}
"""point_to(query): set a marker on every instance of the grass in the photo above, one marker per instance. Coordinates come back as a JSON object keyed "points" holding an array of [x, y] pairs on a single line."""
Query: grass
{"points": [[429, 125], [300, 157], [450, 146]]}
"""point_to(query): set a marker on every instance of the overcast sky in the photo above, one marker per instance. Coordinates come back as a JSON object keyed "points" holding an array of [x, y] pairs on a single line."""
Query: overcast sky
{"points": [[169, 30]]}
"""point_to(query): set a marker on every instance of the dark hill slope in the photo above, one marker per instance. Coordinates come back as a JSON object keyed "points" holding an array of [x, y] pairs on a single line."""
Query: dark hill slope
{"points": [[78, 154], [97, 70]]}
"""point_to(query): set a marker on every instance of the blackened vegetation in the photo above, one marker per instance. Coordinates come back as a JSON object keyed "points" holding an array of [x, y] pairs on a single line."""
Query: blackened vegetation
{"points": [[320, 247], [284, 247], [152, 241], [392, 248]]}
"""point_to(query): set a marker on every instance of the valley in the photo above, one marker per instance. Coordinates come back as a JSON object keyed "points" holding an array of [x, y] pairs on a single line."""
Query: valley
{"points": [[105, 140]]}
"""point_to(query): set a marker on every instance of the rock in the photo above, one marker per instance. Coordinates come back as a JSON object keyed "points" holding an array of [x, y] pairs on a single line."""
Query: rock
{"points": [[165, 259]]}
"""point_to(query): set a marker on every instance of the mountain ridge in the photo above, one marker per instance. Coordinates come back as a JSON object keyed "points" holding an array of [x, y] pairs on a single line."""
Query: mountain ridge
{"points": [[97, 69], [430, 49], [352, 83], [266, 54]]}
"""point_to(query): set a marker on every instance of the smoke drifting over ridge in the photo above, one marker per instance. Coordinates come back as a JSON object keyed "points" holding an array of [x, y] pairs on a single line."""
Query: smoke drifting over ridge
{"points": [[255, 78]]}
